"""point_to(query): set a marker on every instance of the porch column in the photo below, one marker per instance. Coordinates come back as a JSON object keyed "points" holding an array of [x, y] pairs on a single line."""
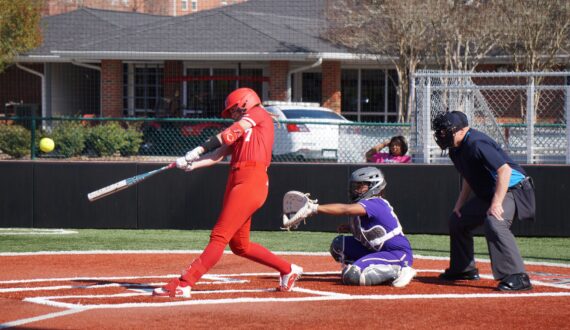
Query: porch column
{"points": [[331, 85], [111, 88]]}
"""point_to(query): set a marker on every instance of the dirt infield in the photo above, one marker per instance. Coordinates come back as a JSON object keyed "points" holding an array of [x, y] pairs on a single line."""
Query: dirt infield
{"points": [[112, 291]]}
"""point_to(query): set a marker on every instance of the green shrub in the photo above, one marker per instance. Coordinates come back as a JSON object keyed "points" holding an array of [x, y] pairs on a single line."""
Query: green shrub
{"points": [[15, 140], [133, 138], [106, 139], [69, 138]]}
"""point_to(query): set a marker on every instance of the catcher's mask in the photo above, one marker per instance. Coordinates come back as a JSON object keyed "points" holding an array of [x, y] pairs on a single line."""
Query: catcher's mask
{"points": [[242, 99], [445, 125], [372, 176]]}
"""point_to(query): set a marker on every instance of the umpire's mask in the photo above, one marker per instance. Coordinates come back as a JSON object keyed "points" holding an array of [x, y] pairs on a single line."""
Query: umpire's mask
{"points": [[445, 125]]}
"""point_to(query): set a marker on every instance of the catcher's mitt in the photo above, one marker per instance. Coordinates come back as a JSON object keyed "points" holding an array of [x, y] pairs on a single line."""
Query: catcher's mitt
{"points": [[297, 206]]}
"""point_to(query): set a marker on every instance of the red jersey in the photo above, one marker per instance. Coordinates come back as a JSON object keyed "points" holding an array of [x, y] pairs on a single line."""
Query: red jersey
{"points": [[256, 143]]}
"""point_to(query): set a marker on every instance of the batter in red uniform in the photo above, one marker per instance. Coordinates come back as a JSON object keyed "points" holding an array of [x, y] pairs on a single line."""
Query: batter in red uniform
{"points": [[249, 140]]}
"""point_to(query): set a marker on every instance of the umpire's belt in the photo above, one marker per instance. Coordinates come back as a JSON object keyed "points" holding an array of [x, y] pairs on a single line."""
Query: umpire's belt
{"points": [[249, 165], [524, 183]]}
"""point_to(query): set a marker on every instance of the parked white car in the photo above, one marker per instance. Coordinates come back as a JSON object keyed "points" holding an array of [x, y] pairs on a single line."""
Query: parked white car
{"points": [[306, 131]]}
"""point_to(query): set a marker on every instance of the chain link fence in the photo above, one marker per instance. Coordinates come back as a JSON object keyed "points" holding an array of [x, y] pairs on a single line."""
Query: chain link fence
{"points": [[525, 112], [164, 139]]}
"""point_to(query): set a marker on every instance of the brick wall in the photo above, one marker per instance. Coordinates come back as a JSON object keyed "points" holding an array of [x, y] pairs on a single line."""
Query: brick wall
{"points": [[156, 7], [278, 71], [111, 88], [331, 85]]}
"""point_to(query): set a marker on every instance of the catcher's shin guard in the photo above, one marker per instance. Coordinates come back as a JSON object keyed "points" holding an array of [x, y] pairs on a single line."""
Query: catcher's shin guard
{"points": [[372, 275], [378, 274]]}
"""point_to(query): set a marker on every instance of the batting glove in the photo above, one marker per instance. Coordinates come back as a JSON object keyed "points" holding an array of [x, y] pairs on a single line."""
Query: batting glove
{"points": [[181, 163], [194, 154]]}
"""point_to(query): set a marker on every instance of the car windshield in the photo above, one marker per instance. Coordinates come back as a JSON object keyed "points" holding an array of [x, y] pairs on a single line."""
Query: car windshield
{"points": [[311, 114]]}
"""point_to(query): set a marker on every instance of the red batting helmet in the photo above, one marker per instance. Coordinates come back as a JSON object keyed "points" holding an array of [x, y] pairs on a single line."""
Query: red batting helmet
{"points": [[243, 99]]}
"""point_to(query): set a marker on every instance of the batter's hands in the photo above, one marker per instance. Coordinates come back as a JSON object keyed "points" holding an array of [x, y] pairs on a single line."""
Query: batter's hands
{"points": [[182, 164], [496, 210], [194, 154]]}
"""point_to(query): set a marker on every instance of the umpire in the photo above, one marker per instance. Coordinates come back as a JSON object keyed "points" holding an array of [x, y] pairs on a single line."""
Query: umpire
{"points": [[501, 192]]}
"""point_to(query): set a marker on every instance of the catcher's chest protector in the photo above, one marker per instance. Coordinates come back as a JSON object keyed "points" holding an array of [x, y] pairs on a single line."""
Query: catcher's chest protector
{"points": [[374, 237]]}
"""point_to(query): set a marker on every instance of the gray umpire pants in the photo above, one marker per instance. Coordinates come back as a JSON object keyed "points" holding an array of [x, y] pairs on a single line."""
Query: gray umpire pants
{"points": [[505, 256]]}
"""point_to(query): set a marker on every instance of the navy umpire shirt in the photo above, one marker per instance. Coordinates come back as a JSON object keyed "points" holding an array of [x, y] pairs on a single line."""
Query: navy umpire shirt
{"points": [[478, 158]]}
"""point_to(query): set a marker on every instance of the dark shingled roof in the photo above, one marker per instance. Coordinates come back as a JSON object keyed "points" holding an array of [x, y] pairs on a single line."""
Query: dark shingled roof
{"points": [[69, 30], [252, 27]]}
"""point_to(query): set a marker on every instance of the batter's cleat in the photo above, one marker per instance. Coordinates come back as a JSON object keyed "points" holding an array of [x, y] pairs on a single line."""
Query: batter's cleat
{"points": [[287, 281], [173, 289], [404, 277]]}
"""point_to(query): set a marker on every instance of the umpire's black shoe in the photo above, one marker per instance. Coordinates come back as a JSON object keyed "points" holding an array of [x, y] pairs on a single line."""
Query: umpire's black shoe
{"points": [[470, 275], [515, 282]]}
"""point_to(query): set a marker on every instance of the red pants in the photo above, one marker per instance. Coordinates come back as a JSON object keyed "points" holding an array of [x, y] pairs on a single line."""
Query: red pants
{"points": [[246, 191]]}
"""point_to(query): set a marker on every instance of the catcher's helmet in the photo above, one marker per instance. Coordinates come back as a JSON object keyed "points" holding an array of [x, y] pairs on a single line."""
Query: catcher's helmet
{"points": [[370, 175], [445, 124], [242, 99]]}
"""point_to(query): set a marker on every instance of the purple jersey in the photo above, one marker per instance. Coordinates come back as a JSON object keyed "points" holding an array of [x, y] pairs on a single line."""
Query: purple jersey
{"points": [[379, 221]]}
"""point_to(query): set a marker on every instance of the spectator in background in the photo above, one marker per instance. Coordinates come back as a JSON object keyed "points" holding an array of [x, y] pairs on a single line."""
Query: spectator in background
{"points": [[397, 149]]}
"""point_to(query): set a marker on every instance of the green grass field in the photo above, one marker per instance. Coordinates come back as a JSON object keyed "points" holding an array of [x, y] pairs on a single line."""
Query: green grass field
{"points": [[533, 249]]}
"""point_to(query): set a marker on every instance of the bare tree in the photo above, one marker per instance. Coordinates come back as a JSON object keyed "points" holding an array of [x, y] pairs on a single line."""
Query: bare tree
{"points": [[536, 33], [468, 31], [537, 37], [398, 31], [156, 7]]}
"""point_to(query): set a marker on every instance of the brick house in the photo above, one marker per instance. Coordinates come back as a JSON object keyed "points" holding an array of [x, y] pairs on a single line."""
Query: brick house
{"points": [[124, 63], [156, 7]]}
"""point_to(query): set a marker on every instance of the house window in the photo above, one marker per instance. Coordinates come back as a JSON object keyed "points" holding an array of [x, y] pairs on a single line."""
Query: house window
{"points": [[369, 95], [194, 5], [312, 87], [184, 5], [207, 88], [142, 88]]}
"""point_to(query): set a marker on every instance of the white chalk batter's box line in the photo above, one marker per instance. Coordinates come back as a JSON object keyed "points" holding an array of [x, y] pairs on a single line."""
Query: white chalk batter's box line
{"points": [[35, 231], [229, 278], [146, 288]]}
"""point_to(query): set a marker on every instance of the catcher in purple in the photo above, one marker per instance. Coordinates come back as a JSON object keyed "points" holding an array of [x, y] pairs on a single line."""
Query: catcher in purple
{"points": [[377, 252]]}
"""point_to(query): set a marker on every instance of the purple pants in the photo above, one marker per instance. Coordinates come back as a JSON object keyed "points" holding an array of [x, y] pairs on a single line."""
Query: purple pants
{"points": [[362, 257]]}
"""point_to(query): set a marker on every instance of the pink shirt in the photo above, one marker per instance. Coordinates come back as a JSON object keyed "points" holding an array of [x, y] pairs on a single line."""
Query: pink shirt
{"points": [[384, 157]]}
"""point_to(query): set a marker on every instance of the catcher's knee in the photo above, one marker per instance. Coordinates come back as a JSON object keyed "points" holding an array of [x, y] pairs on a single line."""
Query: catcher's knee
{"points": [[351, 275], [337, 248]]}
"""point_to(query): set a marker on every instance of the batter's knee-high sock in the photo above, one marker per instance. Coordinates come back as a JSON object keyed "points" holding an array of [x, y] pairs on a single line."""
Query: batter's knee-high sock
{"points": [[211, 255], [262, 255]]}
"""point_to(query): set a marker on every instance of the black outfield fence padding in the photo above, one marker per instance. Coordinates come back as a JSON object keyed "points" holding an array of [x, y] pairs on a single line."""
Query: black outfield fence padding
{"points": [[53, 194]]}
